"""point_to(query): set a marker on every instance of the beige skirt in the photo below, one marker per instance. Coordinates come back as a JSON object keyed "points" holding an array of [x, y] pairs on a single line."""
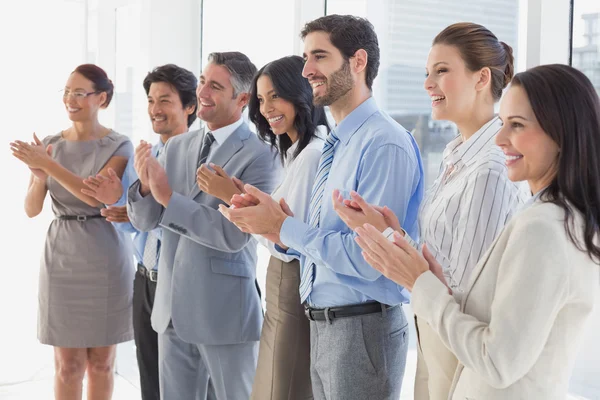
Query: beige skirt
{"points": [[283, 370]]}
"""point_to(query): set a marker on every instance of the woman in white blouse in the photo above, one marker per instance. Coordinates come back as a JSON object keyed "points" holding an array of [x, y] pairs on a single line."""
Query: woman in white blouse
{"points": [[519, 323], [281, 107], [472, 198]]}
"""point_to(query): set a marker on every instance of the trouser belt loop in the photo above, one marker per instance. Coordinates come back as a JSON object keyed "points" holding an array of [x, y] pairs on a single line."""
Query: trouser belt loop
{"points": [[327, 318], [383, 310]]}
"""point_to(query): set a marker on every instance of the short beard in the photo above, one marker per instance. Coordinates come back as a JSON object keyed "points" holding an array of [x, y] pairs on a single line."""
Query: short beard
{"points": [[339, 83]]}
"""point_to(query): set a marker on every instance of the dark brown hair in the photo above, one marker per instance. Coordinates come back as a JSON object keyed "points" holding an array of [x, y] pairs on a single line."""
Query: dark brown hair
{"points": [[567, 108], [480, 48], [99, 79], [183, 81], [349, 34], [289, 84]]}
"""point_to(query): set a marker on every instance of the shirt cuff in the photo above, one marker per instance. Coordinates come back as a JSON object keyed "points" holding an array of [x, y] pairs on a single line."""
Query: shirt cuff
{"points": [[133, 193], [121, 202], [293, 254], [292, 233]]}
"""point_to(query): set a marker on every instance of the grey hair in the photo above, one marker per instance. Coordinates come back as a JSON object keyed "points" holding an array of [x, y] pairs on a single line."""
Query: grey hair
{"points": [[239, 66]]}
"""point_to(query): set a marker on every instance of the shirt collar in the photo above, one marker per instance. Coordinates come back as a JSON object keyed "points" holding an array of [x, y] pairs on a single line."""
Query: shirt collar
{"points": [[223, 133], [533, 198], [320, 133], [353, 121], [290, 152], [457, 150], [158, 147]]}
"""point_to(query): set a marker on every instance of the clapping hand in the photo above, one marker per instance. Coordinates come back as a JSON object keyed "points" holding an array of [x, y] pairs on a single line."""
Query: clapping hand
{"points": [[356, 212], [107, 190], [34, 154], [216, 182]]}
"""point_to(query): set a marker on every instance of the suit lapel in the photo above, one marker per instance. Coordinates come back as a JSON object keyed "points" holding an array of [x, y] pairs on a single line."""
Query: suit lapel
{"points": [[223, 154], [477, 271]]}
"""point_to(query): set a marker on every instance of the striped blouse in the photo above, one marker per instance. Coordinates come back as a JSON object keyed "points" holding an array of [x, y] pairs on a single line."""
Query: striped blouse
{"points": [[468, 204]]}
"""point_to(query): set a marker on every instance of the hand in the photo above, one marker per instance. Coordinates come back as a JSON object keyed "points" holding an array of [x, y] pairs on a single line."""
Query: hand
{"points": [[217, 183], [238, 184], [140, 163], [158, 182], [107, 190], [264, 218], [242, 199], [39, 174], [398, 261], [274, 237], [357, 212], [115, 213], [33, 154]]}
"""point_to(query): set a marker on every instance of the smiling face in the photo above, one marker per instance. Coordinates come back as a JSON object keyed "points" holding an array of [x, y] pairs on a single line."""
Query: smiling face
{"points": [[279, 113], [80, 100], [326, 69], [531, 154], [167, 114], [450, 84], [217, 105]]}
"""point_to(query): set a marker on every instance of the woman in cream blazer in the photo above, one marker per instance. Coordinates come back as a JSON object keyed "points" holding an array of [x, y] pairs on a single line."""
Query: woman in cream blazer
{"points": [[517, 328]]}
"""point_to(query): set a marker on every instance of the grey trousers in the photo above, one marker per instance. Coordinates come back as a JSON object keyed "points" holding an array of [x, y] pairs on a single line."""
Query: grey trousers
{"points": [[184, 369], [360, 357]]}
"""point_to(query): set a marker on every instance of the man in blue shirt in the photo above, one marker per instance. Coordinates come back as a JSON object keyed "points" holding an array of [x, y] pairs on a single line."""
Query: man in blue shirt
{"points": [[172, 103], [358, 327]]}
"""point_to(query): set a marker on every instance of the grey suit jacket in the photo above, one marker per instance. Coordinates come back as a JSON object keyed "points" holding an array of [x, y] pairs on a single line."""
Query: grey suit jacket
{"points": [[206, 285]]}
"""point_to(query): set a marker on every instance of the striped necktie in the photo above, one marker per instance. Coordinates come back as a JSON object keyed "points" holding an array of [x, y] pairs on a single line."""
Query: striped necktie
{"points": [[316, 198], [206, 143]]}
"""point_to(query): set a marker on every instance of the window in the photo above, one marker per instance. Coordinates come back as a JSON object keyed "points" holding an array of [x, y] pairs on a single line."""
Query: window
{"points": [[586, 39]]}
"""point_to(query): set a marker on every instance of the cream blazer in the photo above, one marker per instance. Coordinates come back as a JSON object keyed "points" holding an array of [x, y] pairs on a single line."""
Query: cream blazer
{"points": [[517, 330]]}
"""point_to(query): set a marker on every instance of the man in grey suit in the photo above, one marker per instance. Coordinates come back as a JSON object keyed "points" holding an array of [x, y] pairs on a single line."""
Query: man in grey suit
{"points": [[207, 309]]}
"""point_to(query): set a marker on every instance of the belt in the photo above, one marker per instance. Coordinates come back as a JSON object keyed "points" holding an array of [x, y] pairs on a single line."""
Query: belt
{"points": [[79, 218], [329, 314], [150, 274]]}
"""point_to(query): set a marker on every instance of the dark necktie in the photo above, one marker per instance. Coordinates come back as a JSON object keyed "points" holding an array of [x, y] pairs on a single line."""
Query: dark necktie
{"points": [[206, 143]]}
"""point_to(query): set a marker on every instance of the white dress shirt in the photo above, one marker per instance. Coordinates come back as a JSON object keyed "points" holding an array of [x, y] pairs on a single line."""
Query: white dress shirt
{"points": [[296, 186], [468, 204], [222, 134]]}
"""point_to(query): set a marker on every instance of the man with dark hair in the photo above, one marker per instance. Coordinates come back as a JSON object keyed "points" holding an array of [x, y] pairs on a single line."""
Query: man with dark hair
{"points": [[172, 103], [359, 333], [207, 311]]}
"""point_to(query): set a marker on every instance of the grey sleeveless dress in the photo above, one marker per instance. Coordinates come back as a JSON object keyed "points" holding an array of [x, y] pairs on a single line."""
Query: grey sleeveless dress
{"points": [[86, 274]]}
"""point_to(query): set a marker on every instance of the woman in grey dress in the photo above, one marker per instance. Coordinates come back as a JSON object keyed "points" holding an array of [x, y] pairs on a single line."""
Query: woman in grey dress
{"points": [[85, 284]]}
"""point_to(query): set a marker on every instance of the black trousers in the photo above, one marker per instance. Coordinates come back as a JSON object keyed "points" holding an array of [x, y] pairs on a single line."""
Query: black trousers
{"points": [[146, 339]]}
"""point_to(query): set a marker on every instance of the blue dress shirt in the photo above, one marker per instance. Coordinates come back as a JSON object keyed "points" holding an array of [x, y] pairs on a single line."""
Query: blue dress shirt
{"points": [[139, 238], [380, 160]]}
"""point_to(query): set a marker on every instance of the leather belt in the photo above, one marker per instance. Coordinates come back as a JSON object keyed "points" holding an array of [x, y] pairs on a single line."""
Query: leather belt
{"points": [[329, 314], [150, 274], [80, 218]]}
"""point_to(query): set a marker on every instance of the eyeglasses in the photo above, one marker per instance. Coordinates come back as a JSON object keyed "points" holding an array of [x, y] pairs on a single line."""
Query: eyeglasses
{"points": [[77, 95]]}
